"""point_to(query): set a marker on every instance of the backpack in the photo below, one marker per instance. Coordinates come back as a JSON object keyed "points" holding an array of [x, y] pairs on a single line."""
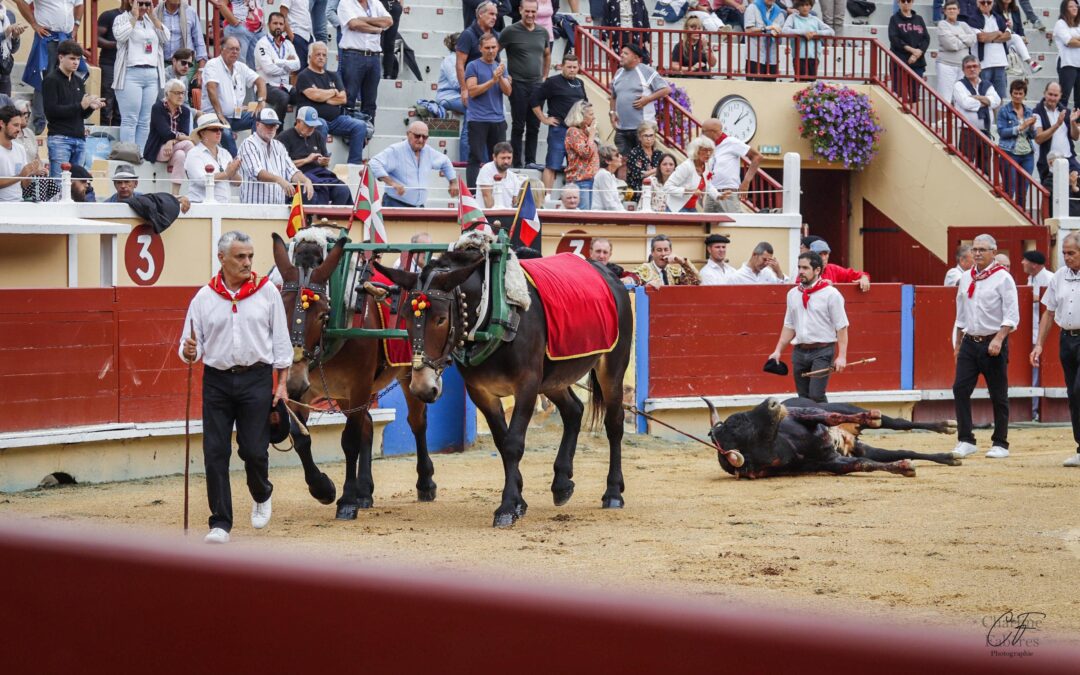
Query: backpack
{"points": [[860, 8]]}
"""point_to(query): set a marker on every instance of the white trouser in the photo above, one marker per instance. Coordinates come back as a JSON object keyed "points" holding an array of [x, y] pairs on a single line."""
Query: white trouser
{"points": [[947, 77], [1016, 43]]}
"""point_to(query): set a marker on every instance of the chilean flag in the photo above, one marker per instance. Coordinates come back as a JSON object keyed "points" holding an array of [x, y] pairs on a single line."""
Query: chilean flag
{"points": [[526, 225]]}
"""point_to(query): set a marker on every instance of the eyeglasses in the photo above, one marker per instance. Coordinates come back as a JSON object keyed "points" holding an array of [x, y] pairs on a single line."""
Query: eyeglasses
{"points": [[186, 64], [984, 3], [420, 136], [648, 135], [980, 250]]}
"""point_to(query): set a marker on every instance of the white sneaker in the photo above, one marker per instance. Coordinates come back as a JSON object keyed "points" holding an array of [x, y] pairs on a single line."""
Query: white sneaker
{"points": [[1072, 461], [997, 452], [963, 449], [260, 514], [216, 536]]}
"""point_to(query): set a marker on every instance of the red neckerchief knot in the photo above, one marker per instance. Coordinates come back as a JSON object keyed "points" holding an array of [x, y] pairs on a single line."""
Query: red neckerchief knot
{"points": [[250, 288], [720, 138], [807, 292], [975, 277]]}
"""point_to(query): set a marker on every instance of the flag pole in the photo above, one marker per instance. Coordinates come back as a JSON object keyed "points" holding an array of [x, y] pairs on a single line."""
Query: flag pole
{"points": [[516, 222], [359, 187]]}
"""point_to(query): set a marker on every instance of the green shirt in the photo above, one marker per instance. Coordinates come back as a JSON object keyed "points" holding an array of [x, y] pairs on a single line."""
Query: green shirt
{"points": [[525, 52]]}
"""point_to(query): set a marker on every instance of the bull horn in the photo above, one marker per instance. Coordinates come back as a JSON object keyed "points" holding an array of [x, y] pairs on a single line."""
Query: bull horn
{"points": [[714, 417]]}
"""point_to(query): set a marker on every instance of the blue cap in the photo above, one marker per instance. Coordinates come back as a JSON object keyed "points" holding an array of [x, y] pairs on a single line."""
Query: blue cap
{"points": [[308, 116]]}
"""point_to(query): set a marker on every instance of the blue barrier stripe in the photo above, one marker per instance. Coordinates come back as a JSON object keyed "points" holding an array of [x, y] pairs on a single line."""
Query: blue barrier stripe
{"points": [[641, 355], [907, 337]]}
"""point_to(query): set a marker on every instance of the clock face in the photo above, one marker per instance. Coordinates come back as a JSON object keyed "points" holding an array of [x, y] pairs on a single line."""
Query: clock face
{"points": [[737, 116]]}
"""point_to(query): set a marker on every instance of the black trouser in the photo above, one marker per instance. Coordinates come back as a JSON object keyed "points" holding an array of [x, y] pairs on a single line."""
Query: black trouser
{"points": [[974, 360], [805, 360], [1070, 362], [806, 68], [625, 141], [388, 38], [524, 122], [1069, 79], [278, 99], [243, 399], [482, 135], [972, 148]]}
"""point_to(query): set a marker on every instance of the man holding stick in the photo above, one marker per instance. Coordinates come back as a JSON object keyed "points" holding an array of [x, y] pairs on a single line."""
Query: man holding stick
{"points": [[241, 334]]}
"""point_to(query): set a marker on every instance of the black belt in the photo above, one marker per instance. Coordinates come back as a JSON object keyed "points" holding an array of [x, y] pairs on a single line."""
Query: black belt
{"points": [[814, 345], [144, 65], [979, 338], [1070, 333], [362, 52], [236, 370]]}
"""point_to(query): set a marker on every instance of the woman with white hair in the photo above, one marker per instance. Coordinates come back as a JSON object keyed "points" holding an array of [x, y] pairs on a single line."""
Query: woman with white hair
{"points": [[582, 158], [139, 72], [685, 189], [606, 195], [170, 129]]}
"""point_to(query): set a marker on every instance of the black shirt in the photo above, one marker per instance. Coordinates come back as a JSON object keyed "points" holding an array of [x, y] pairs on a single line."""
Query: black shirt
{"points": [[561, 94], [62, 97], [325, 80], [107, 55], [299, 147]]}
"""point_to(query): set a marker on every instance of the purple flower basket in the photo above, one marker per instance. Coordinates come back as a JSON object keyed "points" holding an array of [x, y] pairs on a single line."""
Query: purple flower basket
{"points": [[839, 123]]}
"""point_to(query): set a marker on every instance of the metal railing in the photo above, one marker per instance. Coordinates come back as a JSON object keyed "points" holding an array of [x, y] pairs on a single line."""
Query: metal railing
{"points": [[864, 60]]}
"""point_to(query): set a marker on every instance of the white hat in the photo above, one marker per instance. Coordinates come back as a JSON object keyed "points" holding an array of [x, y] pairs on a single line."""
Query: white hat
{"points": [[206, 122]]}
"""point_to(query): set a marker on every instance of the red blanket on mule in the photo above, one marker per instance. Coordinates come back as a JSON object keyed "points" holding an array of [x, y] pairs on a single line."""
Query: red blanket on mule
{"points": [[578, 306], [398, 351]]}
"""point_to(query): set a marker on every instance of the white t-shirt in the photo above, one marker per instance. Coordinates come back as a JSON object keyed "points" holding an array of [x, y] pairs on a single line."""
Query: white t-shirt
{"points": [[56, 15], [994, 54], [198, 158], [11, 163], [232, 87], [504, 191], [299, 17], [1070, 56], [1060, 143], [352, 39], [820, 320], [724, 165], [142, 36]]}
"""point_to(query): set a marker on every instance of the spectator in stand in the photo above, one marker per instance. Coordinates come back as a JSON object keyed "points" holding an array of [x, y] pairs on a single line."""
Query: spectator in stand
{"points": [[1015, 23], [185, 32], [320, 16], [227, 100], [627, 14], [767, 18], [993, 36], [360, 51], [569, 198], [471, 8], [977, 101], [716, 271], [27, 138], [405, 166], [275, 62], [498, 185], [448, 94], [53, 22], [600, 250], [324, 91], [139, 72], [835, 273], [110, 115], [643, 159], [560, 91], [955, 40], [487, 83], [691, 53], [244, 22], [209, 156], [15, 168], [1056, 132], [606, 195], [9, 46], [545, 11], [664, 268], [82, 190], [1016, 136], [170, 132], [67, 105], [466, 50], [297, 15], [269, 176], [633, 90], [125, 181], [582, 157], [803, 23], [908, 40], [832, 12], [388, 38], [1067, 41], [964, 261], [180, 68], [528, 59], [686, 187], [725, 186], [761, 268], [731, 13], [307, 150], [657, 196]]}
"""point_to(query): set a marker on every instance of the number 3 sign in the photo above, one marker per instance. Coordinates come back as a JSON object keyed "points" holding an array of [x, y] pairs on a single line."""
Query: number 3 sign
{"points": [[144, 255]]}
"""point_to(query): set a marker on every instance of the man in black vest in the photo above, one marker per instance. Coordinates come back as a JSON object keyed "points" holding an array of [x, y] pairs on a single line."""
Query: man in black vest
{"points": [[977, 100], [1056, 130]]}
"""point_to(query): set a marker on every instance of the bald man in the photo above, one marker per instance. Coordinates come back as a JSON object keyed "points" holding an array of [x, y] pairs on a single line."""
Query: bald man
{"points": [[405, 166], [725, 184]]}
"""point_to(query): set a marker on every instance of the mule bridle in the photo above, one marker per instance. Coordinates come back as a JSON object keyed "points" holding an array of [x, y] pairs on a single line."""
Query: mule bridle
{"points": [[455, 337], [299, 313]]}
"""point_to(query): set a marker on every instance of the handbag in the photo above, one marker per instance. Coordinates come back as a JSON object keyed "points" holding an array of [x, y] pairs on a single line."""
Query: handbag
{"points": [[126, 152], [1023, 144], [860, 8]]}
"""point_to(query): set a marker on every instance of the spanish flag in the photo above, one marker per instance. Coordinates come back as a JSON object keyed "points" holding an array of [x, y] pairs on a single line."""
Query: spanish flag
{"points": [[296, 216]]}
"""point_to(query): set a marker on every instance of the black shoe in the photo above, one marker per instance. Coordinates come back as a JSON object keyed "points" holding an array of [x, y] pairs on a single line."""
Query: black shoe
{"points": [[533, 166]]}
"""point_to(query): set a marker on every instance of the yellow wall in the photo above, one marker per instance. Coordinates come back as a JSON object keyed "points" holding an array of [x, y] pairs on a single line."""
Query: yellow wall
{"points": [[35, 261]]}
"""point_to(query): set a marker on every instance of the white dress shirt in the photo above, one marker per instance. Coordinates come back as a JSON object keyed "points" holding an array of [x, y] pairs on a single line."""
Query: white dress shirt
{"points": [[994, 304], [232, 85], [1062, 297], [820, 320], [1038, 283], [353, 39], [299, 17], [952, 277], [276, 62], [725, 166], [55, 15], [745, 275], [716, 274], [257, 155], [681, 185], [969, 107], [503, 191], [257, 332], [198, 158]]}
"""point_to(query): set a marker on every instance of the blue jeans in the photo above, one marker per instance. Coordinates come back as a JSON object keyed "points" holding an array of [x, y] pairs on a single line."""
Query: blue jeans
{"points": [[392, 201], [301, 46], [361, 75], [354, 130], [247, 41], [586, 194], [228, 137], [996, 77], [457, 106], [556, 148], [64, 149], [1015, 184], [141, 86], [318, 19]]}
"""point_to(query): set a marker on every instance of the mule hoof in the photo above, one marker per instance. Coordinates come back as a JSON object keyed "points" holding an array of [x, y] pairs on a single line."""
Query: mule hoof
{"points": [[323, 489], [346, 512], [906, 468], [503, 520], [561, 497], [954, 461], [365, 502], [613, 502], [520, 510], [427, 495]]}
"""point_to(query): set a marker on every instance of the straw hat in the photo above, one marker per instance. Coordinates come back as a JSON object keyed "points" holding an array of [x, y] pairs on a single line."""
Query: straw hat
{"points": [[206, 122]]}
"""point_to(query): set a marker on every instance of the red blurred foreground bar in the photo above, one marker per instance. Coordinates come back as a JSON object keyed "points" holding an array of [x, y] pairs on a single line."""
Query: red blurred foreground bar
{"points": [[91, 600]]}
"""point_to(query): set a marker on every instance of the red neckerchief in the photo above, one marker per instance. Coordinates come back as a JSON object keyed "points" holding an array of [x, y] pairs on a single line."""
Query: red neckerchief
{"points": [[807, 292], [250, 288], [720, 139], [993, 269], [692, 202]]}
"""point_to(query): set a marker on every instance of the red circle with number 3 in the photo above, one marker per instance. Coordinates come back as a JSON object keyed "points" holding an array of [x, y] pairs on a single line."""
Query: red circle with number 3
{"points": [[575, 241], [144, 255]]}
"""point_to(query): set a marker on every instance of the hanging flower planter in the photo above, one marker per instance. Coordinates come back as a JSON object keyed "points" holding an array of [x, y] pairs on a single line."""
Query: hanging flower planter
{"points": [[839, 123], [678, 125]]}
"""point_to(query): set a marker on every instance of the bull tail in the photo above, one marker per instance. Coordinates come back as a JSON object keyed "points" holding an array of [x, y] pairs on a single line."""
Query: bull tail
{"points": [[596, 401]]}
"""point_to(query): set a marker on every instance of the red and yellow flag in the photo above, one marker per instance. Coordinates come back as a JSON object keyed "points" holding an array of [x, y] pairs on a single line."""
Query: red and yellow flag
{"points": [[296, 216]]}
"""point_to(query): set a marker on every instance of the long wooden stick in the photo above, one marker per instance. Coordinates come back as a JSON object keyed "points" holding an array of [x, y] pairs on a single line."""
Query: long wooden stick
{"points": [[825, 371], [187, 439]]}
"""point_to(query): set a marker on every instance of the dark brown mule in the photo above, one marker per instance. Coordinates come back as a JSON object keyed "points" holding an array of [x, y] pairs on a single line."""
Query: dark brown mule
{"points": [[350, 378], [452, 285]]}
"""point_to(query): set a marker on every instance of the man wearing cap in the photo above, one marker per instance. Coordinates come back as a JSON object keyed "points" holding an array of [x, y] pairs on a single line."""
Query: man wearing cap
{"points": [[227, 100], [633, 90], [834, 273], [817, 324], [209, 156], [716, 271], [82, 190], [125, 180], [269, 175], [405, 166], [241, 334], [1062, 302], [323, 90], [307, 149]]}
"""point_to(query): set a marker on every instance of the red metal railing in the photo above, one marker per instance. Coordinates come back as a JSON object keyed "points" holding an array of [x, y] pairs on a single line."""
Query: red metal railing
{"points": [[863, 60]]}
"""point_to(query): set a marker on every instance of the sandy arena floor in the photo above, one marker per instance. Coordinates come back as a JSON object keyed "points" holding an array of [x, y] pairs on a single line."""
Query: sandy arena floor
{"points": [[949, 547]]}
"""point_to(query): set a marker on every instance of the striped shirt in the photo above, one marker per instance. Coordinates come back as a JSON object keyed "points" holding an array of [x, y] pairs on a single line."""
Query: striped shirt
{"points": [[257, 155]]}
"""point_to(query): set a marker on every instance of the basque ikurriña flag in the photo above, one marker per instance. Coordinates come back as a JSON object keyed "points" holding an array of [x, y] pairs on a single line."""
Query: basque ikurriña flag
{"points": [[526, 226], [368, 209], [469, 214]]}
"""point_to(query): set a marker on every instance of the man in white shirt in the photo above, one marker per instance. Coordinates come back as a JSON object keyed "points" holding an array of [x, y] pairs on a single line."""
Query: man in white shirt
{"points": [[498, 185], [242, 336], [360, 51], [964, 261], [993, 36], [1062, 302], [15, 171], [817, 324], [716, 271], [54, 19], [977, 100], [761, 268], [275, 62], [1056, 130], [269, 175], [298, 26], [987, 310], [724, 168], [226, 81]]}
